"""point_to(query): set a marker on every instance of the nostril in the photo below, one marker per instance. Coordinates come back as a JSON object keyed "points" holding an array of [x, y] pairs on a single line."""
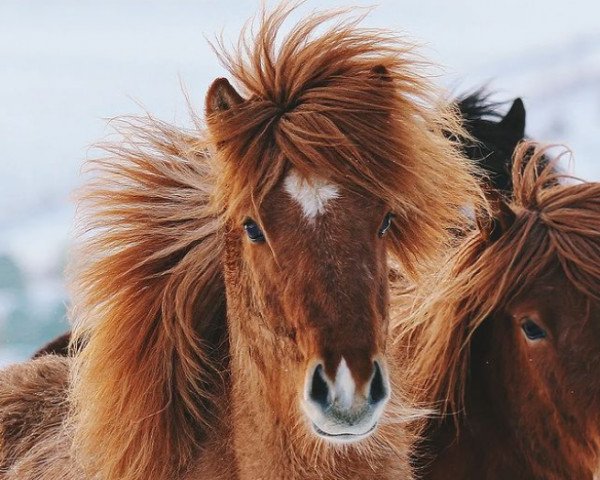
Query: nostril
{"points": [[378, 391], [319, 390]]}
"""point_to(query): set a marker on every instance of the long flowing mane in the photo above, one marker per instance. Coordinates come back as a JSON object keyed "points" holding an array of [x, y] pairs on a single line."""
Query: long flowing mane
{"points": [[556, 224], [148, 290], [148, 295]]}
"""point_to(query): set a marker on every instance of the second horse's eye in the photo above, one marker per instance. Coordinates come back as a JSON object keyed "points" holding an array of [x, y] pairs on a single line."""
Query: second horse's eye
{"points": [[532, 330], [253, 231], [386, 224]]}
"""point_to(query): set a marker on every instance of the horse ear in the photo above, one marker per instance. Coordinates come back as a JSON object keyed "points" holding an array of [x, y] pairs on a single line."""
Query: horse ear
{"points": [[503, 218], [514, 120], [381, 72], [221, 97]]}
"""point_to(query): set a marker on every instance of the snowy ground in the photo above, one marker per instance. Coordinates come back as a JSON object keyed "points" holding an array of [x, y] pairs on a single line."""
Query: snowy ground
{"points": [[69, 64]]}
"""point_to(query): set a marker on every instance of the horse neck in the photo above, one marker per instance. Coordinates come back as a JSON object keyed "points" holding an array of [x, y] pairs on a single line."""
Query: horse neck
{"points": [[267, 420], [492, 442]]}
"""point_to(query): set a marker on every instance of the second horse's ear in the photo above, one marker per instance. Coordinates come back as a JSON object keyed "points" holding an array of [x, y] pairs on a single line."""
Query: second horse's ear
{"points": [[514, 120], [221, 97]]}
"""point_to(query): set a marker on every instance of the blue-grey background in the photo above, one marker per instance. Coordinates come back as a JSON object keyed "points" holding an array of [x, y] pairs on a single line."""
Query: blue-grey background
{"points": [[66, 66]]}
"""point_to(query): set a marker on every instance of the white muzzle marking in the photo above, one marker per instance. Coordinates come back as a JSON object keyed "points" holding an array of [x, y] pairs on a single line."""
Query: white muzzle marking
{"points": [[344, 387]]}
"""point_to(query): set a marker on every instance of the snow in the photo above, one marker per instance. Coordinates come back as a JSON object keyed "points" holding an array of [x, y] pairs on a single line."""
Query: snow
{"points": [[68, 65]]}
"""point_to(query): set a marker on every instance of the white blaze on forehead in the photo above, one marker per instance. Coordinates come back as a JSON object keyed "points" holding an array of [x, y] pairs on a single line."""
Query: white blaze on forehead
{"points": [[345, 387], [312, 194]]}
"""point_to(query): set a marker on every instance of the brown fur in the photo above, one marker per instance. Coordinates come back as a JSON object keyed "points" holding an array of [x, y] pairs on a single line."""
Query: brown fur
{"points": [[516, 410], [196, 342], [33, 407]]}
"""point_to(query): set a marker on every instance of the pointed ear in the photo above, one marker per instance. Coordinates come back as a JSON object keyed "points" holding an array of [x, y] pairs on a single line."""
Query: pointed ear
{"points": [[381, 72], [503, 218], [221, 97], [514, 120]]}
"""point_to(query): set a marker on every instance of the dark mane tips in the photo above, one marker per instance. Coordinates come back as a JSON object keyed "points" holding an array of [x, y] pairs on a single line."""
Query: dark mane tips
{"points": [[492, 138], [478, 105]]}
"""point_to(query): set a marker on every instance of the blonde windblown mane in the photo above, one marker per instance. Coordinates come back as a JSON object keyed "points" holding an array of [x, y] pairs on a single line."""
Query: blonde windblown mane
{"points": [[150, 303]]}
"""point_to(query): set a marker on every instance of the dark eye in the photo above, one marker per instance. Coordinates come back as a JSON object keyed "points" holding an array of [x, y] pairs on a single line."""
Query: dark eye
{"points": [[386, 224], [253, 231], [533, 330]]}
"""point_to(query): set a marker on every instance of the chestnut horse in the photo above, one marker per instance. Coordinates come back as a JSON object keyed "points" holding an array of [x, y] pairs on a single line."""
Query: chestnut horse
{"points": [[230, 296], [508, 344]]}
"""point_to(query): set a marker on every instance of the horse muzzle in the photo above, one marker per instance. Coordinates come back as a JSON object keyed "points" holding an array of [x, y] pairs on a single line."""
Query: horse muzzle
{"points": [[338, 409]]}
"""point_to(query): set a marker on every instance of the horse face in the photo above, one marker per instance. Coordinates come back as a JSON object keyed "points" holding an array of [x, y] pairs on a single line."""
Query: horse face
{"points": [[550, 360], [316, 256]]}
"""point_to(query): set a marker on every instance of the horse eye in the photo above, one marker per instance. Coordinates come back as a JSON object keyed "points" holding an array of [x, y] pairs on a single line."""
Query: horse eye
{"points": [[253, 231], [386, 224], [533, 330]]}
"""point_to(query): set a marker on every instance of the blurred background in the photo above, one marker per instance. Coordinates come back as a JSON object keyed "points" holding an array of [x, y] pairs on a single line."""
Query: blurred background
{"points": [[67, 66]]}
